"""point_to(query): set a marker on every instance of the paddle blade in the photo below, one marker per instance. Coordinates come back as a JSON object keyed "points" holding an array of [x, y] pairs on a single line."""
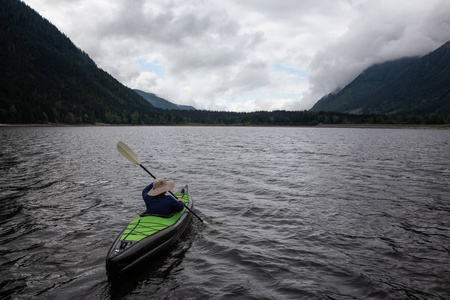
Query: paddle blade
{"points": [[127, 153]]}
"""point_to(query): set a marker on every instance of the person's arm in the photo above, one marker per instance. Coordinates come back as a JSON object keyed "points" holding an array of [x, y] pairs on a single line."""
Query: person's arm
{"points": [[177, 205], [146, 190]]}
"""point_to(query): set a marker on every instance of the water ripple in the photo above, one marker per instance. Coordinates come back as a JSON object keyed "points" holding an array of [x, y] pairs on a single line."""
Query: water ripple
{"points": [[297, 213]]}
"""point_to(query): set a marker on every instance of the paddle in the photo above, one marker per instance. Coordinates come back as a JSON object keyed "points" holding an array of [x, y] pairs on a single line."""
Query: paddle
{"points": [[129, 154]]}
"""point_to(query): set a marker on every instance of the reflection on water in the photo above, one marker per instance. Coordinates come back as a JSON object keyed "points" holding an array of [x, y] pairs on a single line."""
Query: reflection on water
{"points": [[296, 212]]}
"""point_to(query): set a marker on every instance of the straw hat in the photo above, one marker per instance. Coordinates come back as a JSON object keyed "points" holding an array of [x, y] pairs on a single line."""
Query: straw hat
{"points": [[160, 185]]}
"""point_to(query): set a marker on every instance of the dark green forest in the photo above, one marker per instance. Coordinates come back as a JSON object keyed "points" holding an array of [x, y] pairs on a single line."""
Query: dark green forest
{"points": [[302, 118], [47, 79], [415, 85]]}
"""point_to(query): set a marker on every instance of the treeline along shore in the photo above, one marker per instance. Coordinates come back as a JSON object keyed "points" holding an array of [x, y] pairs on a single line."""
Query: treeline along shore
{"points": [[275, 118]]}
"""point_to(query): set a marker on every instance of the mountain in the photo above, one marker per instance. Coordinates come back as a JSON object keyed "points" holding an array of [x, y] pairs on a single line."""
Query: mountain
{"points": [[162, 103], [406, 86], [46, 78]]}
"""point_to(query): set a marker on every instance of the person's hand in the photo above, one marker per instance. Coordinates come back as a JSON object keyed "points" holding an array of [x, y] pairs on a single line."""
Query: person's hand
{"points": [[179, 199]]}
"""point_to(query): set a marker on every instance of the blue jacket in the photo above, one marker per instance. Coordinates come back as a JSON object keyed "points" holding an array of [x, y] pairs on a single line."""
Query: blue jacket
{"points": [[160, 204]]}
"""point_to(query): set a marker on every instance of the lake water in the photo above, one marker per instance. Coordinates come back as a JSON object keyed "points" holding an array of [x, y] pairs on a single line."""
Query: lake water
{"points": [[296, 213]]}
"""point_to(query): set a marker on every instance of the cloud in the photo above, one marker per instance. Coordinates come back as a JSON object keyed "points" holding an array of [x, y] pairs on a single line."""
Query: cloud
{"points": [[246, 55], [379, 31]]}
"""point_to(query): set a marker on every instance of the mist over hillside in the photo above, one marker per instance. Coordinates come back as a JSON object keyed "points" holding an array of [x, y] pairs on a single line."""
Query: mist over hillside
{"points": [[406, 86]]}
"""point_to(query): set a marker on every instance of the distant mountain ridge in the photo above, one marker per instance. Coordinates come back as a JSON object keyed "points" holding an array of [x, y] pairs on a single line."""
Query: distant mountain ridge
{"points": [[162, 103], [405, 86]]}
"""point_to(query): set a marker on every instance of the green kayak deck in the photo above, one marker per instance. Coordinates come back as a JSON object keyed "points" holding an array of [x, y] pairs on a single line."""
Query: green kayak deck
{"points": [[144, 226]]}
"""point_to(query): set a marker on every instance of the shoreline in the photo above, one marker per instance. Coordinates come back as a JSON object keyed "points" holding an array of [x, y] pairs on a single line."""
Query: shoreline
{"points": [[356, 126], [59, 125], [387, 126]]}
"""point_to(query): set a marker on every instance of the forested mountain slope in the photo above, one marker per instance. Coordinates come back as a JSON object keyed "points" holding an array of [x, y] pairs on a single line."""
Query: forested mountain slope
{"points": [[407, 86], [46, 78]]}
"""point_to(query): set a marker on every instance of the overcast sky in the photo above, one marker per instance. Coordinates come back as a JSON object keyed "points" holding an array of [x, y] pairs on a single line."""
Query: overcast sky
{"points": [[246, 55]]}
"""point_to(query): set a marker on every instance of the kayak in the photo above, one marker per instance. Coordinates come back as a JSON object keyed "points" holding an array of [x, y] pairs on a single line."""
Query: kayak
{"points": [[147, 236]]}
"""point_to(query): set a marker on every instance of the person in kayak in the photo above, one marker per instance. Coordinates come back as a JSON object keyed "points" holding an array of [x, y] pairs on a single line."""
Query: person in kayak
{"points": [[156, 200]]}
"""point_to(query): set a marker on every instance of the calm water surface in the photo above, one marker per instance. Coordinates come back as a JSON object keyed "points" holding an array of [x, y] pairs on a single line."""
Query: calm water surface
{"points": [[297, 213]]}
